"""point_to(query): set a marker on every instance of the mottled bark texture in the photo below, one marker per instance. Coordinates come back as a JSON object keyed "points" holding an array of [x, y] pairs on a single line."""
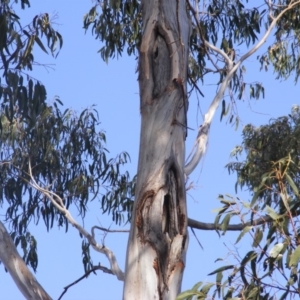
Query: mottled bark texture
{"points": [[158, 237]]}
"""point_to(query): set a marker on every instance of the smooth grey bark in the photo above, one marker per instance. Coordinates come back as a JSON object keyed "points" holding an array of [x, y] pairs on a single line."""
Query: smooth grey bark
{"points": [[158, 237], [13, 262]]}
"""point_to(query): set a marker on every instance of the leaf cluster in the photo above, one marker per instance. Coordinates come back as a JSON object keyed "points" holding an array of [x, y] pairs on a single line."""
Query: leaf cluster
{"points": [[270, 171], [233, 26], [66, 150], [226, 24], [269, 267], [284, 53], [118, 24], [68, 156], [17, 41], [270, 149], [269, 270]]}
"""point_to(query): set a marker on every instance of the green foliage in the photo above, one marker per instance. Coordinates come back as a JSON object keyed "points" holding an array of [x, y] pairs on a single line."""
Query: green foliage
{"points": [[270, 170], [199, 291], [261, 272], [17, 41], [86, 257], [226, 24], [228, 205], [117, 23], [68, 157], [270, 149], [274, 181], [29, 247], [284, 53], [66, 150]]}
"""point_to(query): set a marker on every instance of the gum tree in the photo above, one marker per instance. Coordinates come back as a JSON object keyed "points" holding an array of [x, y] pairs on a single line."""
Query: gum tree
{"points": [[177, 43], [47, 152]]}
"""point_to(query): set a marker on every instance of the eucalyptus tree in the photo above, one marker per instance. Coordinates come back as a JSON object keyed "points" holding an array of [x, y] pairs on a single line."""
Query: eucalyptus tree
{"points": [[41, 144], [178, 43]]}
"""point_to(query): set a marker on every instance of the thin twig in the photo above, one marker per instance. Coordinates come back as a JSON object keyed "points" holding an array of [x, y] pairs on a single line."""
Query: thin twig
{"points": [[95, 268], [193, 231], [109, 230]]}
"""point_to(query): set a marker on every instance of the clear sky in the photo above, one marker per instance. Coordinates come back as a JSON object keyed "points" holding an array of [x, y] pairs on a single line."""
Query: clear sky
{"points": [[80, 78]]}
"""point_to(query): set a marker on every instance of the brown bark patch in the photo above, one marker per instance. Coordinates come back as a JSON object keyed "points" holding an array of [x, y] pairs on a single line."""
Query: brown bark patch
{"points": [[144, 203], [161, 66]]}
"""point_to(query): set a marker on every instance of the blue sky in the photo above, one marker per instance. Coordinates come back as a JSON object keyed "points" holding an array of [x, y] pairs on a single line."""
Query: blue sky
{"points": [[80, 78]]}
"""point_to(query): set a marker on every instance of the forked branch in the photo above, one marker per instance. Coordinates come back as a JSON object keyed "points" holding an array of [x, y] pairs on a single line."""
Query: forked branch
{"points": [[58, 203], [199, 148]]}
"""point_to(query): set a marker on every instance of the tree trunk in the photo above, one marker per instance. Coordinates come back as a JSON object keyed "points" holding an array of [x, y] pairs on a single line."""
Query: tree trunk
{"points": [[158, 237]]}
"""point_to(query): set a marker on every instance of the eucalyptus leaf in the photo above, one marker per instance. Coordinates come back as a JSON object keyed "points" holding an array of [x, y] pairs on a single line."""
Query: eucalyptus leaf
{"points": [[243, 232], [275, 251], [294, 258]]}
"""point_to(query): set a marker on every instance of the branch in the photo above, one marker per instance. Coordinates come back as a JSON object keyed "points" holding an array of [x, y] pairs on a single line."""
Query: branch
{"points": [[196, 238], [206, 43], [234, 227], [95, 268], [108, 230], [238, 227], [13, 262], [202, 137], [287, 289], [58, 203]]}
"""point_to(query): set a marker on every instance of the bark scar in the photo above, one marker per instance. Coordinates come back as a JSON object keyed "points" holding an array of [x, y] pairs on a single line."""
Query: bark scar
{"points": [[179, 82], [139, 211], [161, 65]]}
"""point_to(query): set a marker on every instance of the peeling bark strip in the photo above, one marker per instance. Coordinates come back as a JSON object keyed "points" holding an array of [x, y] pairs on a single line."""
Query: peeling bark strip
{"points": [[158, 236]]}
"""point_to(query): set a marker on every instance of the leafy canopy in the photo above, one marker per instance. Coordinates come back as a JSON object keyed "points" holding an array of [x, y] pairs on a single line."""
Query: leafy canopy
{"points": [[66, 150], [231, 25], [270, 170], [71, 158]]}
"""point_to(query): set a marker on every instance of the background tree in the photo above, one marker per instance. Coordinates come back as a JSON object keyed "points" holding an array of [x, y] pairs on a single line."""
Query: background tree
{"points": [[40, 143], [226, 57], [270, 172]]}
